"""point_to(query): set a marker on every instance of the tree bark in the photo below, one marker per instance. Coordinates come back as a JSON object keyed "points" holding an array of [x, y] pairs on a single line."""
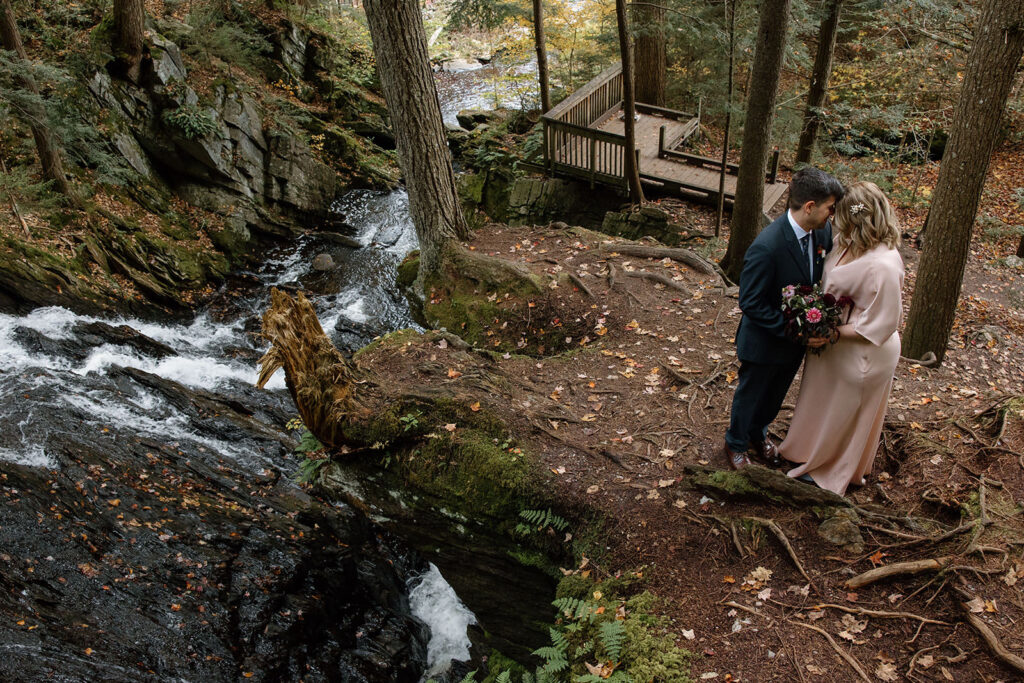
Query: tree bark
{"points": [[129, 34], [1020, 247], [747, 209], [542, 55], [730, 9], [636, 192], [400, 46], [991, 67], [651, 60], [819, 82], [49, 152]]}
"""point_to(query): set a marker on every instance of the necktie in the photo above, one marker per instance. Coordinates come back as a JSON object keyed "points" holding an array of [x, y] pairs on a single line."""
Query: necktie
{"points": [[805, 245]]}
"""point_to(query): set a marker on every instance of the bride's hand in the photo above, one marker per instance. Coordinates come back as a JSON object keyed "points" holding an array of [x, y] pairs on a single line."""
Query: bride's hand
{"points": [[817, 342]]}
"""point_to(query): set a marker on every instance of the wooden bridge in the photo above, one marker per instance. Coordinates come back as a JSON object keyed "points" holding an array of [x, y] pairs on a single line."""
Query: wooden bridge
{"points": [[584, 139]]}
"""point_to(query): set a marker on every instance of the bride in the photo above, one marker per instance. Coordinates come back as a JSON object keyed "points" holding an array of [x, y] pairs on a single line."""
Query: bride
{"points": [[844, 393]]}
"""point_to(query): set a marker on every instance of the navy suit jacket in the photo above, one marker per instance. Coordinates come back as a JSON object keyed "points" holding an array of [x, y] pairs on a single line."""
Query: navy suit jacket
{"points": [[772, 262]]}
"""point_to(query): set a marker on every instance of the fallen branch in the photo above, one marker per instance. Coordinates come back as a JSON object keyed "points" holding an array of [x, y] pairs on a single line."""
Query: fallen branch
{"points": [[780, 534], [678, 376], [842, 653], [929, 360], [579, 446], [660, 279], [898, 569]]}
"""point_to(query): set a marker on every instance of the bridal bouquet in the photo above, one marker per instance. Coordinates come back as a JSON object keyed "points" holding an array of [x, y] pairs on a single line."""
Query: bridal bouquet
{"points": [[811, 313]]}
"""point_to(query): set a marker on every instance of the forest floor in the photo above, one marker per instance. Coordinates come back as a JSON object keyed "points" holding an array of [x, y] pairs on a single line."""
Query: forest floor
{"points": [[645, 400]]}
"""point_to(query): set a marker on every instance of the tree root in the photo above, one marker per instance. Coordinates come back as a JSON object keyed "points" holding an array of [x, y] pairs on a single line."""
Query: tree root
{"points": [[784, 540], [881, 614], [850, 659], [492, 270], [990, 638], [579, 283], [684, 256], [898, 569], [660, 279], [608, 455]]}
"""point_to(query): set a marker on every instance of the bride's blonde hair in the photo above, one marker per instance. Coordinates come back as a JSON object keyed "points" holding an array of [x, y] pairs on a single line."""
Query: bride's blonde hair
{"points": [[865, 219]]}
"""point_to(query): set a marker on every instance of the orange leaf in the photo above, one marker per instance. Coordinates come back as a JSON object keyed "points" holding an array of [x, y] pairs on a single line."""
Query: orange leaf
{"points": [[475, 407], [728, 579], [453, 373]]}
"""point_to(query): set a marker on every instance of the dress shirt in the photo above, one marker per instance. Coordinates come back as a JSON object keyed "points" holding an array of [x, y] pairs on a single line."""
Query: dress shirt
{"points": [[800, 233]]}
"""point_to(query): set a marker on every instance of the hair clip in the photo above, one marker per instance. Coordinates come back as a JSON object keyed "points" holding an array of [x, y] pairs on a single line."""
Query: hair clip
{"points": [[857, 208]]}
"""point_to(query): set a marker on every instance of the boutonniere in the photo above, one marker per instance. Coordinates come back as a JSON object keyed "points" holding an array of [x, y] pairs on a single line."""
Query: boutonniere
{"points": [[821, 251]]}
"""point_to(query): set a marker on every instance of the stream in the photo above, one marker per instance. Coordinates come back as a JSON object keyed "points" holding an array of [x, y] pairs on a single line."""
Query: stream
{"points": [[150, 528]]}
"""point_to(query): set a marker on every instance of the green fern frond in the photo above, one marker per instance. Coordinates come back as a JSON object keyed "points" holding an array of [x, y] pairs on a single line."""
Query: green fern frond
{"points": [[470, 677], [549, 654], [504, 677], [612, 635], [558, 640]]}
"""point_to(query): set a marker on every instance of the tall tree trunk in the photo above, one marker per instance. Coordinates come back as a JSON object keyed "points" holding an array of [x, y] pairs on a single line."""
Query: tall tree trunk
{"points": [[747, 209], [819, 81], [1020, 247], [651, 60], [49, 153], [542, 55], [400, 46], [991, 66], [636, 192], [129, 33], [730, 9]]}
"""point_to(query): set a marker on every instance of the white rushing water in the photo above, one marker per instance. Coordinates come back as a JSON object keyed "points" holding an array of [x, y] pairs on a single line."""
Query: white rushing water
{"points": [[41, 380], [435, 602]]}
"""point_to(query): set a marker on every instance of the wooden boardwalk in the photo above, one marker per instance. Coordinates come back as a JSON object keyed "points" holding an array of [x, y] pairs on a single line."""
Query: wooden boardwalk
{"points": [[682, 175], [584, 138]]}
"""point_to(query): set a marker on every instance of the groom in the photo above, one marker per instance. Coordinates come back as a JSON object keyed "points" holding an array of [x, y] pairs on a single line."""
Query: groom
{"points": [[790, 251]]}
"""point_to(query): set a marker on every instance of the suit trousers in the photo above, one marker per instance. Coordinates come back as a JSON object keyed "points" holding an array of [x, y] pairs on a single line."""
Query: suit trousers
{"points": [[759, 395]]}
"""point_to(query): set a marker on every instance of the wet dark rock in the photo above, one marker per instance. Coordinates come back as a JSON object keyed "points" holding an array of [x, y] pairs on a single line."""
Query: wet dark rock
{"points": [[323, 263], [340, 240], [36, 342], [350, 335], [143, 560], [97, 333]]}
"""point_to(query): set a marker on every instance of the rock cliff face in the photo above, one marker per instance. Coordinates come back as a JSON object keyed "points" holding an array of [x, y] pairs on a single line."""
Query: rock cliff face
{"points": [[224, 153]]}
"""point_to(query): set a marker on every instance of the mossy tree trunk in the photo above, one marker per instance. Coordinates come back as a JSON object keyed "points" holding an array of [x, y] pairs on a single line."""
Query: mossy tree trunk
{"points": [[991, 69], [129, 34], [542, 55], [636, 192], [400, 46], [819, 81], [764, 78], [46, 146], [651, 59]]}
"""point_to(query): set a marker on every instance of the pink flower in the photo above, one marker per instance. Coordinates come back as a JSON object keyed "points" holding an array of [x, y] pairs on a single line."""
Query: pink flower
{"points": [[788, 291], [813, 315]]}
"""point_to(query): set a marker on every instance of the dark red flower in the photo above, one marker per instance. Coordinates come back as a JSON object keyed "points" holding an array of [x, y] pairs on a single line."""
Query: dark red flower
{"points": [[845, 301], [806, 289], [829, 300]]}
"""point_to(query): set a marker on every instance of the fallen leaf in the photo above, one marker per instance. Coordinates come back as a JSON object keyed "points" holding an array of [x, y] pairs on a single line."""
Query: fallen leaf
{"points": [[886, 672], [453, 373], [852, 624], [925, 661], [876, 559], [593, 489], [450, 426], [977, 605], [688, 634], [475, 407], [728, 579]]}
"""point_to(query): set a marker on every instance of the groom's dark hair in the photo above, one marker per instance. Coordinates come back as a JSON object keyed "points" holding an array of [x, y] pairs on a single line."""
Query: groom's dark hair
{"points": [[810, 184]]}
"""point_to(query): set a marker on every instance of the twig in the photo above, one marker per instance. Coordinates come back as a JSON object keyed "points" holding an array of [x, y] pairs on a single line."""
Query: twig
{"points": [[751, 610], [898, 569], [970, 431], [780, 534], [14, 205], [579, 283], [583, 447], [611, 275], [842, 653]]}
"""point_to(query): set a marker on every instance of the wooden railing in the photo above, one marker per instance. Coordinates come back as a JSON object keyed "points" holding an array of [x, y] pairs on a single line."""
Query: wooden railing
{"points": [[571, 147], [585, 153]]}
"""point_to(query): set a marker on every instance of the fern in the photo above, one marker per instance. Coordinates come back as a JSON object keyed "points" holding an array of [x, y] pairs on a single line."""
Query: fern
{"points": [[540, 519], [612, 635], [527, 678], [572, 608], [470, 677], [504, 677], [558, 640]]}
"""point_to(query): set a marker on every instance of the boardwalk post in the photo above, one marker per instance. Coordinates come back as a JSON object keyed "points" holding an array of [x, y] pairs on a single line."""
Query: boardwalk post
{"points": [[774, 173], [661, 142], [593, 162], [547, 143]]}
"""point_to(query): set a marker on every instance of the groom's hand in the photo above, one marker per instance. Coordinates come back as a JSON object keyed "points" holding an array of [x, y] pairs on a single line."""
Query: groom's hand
{"points": [[817, 342]]}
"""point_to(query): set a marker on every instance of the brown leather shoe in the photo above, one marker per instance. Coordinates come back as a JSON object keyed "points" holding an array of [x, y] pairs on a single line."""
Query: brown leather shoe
{"points": [[736, 460], [767, 452]]}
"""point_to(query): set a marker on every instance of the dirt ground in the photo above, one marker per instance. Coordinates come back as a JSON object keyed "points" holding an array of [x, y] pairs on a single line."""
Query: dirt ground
{"points": [[647, 394]]}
